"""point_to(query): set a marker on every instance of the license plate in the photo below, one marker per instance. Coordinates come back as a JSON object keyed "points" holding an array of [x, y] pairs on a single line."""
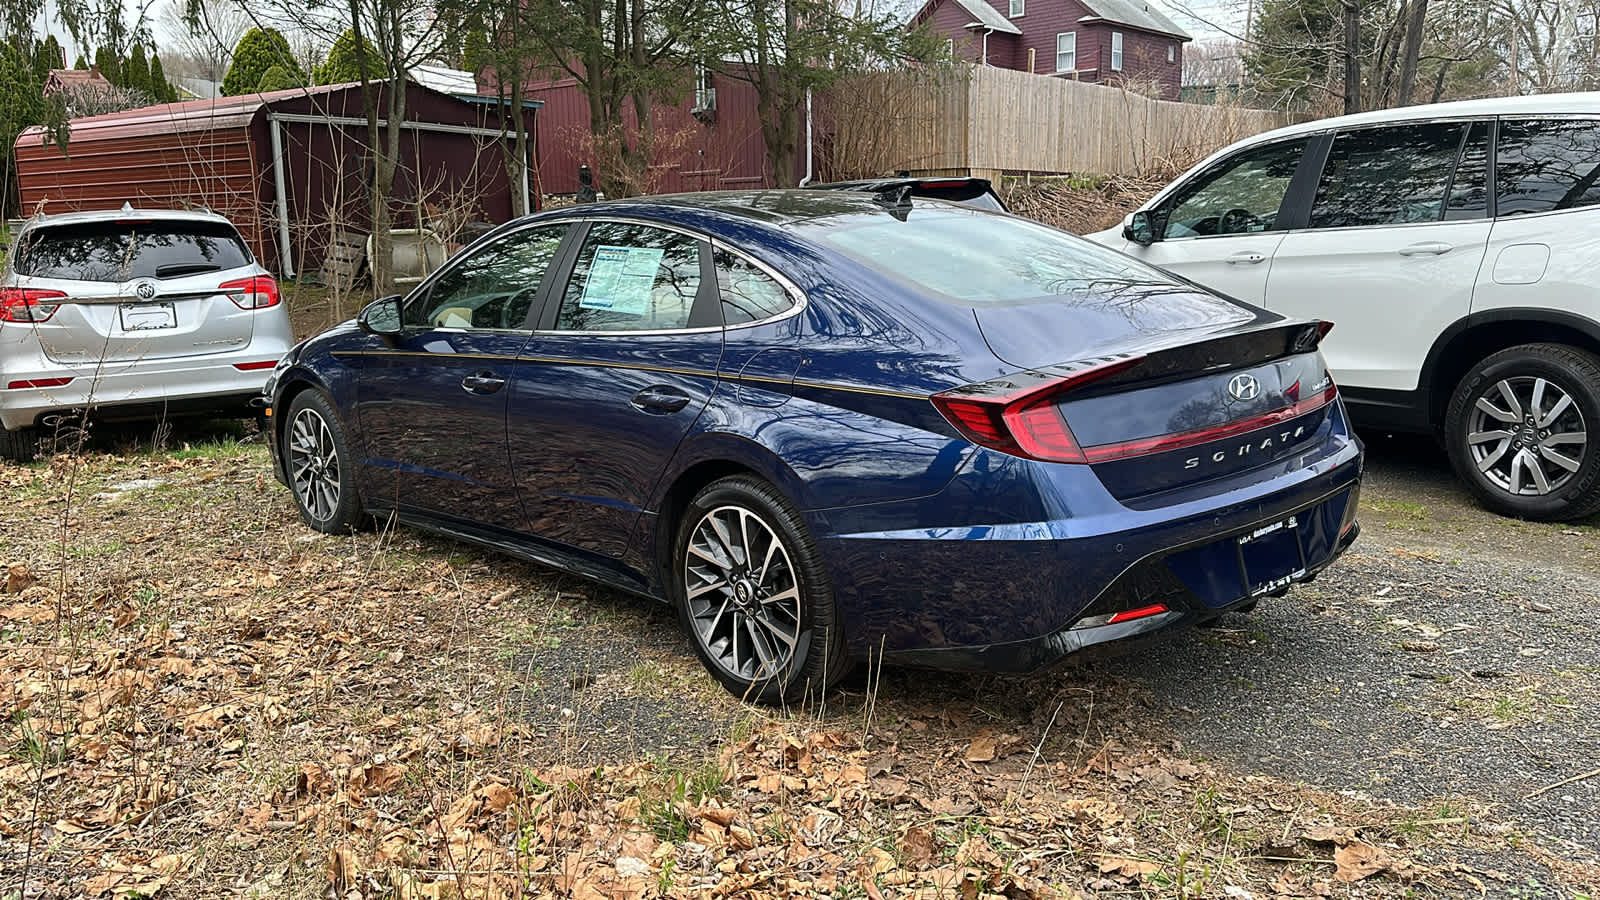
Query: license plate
{"points": [[148, 316], [1272, 557]]}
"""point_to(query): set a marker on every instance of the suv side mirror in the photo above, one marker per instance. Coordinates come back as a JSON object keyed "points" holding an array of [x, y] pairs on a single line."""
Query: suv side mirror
{"points": [[382, 317], [1140, 228]]}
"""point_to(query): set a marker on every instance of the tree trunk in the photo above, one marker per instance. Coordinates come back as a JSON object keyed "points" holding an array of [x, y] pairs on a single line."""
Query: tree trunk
{"points": [[1438, 82], [381, 264], [1352, 57], [1413, 49]]}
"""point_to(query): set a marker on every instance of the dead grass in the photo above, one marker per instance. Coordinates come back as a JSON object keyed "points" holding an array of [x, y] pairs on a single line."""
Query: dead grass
{"points": [[218, 701]]}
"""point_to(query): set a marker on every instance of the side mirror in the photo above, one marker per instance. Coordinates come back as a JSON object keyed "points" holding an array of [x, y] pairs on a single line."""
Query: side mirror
{"points": [[1140, 228], [382, 317]]}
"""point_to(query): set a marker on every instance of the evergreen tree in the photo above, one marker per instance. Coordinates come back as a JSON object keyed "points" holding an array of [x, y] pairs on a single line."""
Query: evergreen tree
{"points": [[107, 63], [46, 56], [277, 78], [159, 85], [259, 50], [136, 72], [21, 105], [81, 63], [343, 63]]}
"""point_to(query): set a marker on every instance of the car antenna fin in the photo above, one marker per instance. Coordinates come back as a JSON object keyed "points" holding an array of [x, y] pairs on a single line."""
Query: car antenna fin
{"points": [[897, 200]]}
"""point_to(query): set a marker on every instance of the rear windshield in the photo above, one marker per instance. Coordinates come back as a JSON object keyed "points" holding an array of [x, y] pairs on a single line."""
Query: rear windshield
{"points": [[971, 195], [977, 258], [121, 251]]}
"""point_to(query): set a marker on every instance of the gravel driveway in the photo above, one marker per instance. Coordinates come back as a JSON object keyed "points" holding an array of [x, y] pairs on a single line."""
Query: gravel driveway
{"points": [[1451, 661]]}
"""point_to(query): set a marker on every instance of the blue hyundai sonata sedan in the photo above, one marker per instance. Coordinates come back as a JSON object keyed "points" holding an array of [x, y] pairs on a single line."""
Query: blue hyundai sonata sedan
{"points": [[827, 425]]}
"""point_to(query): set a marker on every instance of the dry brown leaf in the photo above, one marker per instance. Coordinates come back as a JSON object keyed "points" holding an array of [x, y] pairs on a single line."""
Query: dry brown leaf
{"points": [[983, 747], [18, 578], [1358, 860], [1127, 867]]}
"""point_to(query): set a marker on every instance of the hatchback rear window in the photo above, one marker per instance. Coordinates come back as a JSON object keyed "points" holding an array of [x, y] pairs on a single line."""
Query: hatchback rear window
{"points": [[121, 251], [974, 257]]}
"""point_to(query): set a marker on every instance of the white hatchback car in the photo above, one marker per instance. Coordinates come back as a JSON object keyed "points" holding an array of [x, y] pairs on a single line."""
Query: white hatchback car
{"points": [[1455, 246], [132, 314]]}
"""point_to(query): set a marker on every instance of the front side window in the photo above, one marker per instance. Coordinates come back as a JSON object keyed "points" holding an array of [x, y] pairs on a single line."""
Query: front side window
{"points": [[1116, 51], [1542, 165], [1067, 51], [748, 293], [631, 278], [1387, 176], [1018, 7], [1239, 196], [494, 288]]}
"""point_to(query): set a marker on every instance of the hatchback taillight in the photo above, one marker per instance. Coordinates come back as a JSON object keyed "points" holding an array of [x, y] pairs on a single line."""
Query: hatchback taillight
{"points": [[28, 304], [1025, 421], [258, 292]]}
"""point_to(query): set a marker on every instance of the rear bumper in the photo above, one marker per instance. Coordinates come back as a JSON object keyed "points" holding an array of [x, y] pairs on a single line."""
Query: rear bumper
{"points": [[139, 390], [919, 585]]}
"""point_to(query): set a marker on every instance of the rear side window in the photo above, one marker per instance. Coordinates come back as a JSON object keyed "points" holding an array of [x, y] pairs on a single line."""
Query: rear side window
{"points": [[1469, 190], [631, 278], [748, 294], [122, 251], [1542, 165], [1387, 176]]}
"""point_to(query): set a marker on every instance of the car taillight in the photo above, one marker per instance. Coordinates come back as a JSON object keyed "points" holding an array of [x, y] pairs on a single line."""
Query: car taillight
{"points": [[38, 383], [28, 304], [1025, 421], [258, 292], [256, 366]]}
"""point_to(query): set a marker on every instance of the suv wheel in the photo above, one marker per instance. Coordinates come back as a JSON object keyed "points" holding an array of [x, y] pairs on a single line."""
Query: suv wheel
{"points": [[20, 445], [751, 591], [1523, 431]]}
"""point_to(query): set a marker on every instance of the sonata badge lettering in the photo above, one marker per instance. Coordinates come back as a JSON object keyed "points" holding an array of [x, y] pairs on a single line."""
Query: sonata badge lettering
{"points": [[1258, 446]]}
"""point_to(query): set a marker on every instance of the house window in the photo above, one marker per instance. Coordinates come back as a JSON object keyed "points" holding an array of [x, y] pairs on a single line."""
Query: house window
{"points": [[1067, 51], [950, 47], [705, 96], [1116, 51], [1172, 53], [1018, 7]]}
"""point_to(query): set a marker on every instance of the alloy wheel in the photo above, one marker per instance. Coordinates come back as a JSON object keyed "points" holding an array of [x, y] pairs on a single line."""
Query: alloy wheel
{"points": [[1527, 436], [743, 599], [314, 464]]}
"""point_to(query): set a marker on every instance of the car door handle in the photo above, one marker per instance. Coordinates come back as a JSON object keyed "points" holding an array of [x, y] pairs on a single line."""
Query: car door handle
{"points": [[1246, 258], [482, 383], [1425, 248], [660, 400]]}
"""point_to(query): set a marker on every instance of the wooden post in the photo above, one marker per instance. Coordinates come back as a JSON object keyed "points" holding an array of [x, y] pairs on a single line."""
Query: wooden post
{"points": [[1030, 61]]}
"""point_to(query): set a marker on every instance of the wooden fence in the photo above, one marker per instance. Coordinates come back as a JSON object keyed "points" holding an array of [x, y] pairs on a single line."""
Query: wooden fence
{"points": [[987, 119]]}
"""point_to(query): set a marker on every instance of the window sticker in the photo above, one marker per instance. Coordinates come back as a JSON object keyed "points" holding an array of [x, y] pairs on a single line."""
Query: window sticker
{"points": [[621, 278]]}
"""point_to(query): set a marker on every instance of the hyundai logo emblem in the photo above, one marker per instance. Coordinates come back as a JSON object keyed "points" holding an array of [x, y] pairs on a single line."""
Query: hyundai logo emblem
{"points": [[1244, 387], [145, 290]]}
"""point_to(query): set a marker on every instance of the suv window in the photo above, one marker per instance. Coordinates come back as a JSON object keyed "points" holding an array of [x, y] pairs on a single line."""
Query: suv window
{"points": [[631, 278], [1387, 176], [1546, 164], [1240, 196], [1469, 189], [748, 294], [125, 250], [493, 288]]}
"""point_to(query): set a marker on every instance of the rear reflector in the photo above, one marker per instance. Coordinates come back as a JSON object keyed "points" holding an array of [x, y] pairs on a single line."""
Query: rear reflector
{"points": [[1127, 615], [1182, 439], [255, 366], [1024, 421], [28, 304], [259, 292], [37, 383]]}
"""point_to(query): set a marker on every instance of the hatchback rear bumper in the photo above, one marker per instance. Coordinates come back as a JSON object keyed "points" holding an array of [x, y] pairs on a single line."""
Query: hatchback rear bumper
{"points": [[146, 389]]}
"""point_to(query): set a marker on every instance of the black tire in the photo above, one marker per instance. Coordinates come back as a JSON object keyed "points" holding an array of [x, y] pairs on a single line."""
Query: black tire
{"points": [[1491, 467], [311, 472], [816, 660], [20, 446]]}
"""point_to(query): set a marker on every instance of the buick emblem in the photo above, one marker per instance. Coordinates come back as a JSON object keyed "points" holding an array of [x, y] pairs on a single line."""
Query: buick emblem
{"points": [[1244, 387], [146, 290]]}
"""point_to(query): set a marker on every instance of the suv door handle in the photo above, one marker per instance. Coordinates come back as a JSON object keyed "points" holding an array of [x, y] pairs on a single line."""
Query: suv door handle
{"points": [[1246, 258], [482, 383], [660, 399], [1425, 248]]}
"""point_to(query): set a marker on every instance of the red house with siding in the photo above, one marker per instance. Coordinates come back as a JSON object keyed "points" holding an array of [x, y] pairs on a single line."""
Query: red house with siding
{"points": [[1100, 41]]}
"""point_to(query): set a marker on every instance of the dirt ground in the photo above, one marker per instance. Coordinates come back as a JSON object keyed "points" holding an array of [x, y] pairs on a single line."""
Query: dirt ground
{"points": [[203, 698]]}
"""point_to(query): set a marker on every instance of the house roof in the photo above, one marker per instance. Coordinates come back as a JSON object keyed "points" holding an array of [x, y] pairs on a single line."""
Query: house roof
{"points": [[1134, 14], [988, 17], [445, 80]]}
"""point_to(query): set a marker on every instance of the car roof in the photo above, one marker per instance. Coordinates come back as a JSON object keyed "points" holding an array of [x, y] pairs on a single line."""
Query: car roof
{"points": [[772, 207], [126, 212], [1575, 103]]}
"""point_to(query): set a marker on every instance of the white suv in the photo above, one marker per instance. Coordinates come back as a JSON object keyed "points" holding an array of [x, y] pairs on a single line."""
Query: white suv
{"points": [[132, 314], [1456, 248]]}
